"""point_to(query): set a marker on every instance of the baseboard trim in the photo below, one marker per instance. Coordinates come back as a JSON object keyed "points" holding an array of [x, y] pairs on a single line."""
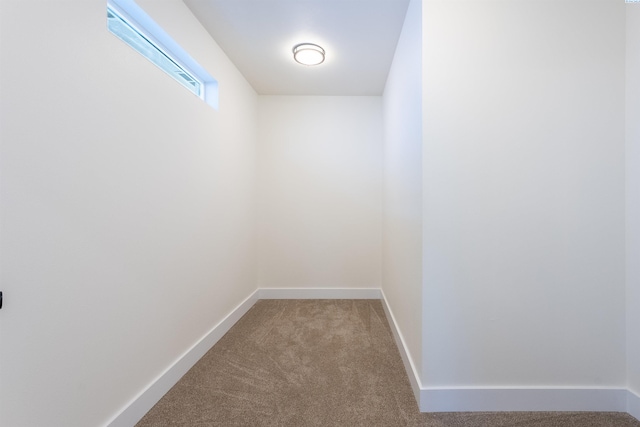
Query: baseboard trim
{"points": [[483, 399], [523, 399], [633, 404], [498, 399], [454, 399], [407, 360], [319, 293], [145, 400]]}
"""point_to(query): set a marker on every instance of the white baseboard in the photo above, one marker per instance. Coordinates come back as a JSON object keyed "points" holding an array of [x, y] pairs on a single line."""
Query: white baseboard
{"points": [[633, 404], [407, 360], [143, 402], [146, 399], [319, 293], [455, 399], [523, 399], [483, 399]]}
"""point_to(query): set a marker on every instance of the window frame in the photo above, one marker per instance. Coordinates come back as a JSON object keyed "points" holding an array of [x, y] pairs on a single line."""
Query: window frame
{"points": [[139, 21]]}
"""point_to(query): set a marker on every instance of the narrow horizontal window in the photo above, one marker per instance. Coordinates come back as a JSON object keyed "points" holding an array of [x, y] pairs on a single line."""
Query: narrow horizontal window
{"points": [[133, 26]]}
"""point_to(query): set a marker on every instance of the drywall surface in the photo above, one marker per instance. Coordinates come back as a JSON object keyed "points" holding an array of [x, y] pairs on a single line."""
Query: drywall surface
{"points": [[126, 209], [524, 193], [633, 196], [320, 191], [402, 187]]}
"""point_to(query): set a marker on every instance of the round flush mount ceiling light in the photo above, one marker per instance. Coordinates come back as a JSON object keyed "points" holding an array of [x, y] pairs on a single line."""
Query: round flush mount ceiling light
{"points": [[308, 54]]}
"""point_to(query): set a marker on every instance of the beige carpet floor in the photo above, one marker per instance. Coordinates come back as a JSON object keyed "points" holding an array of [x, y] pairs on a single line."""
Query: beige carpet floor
{"points": [[321, 363]]}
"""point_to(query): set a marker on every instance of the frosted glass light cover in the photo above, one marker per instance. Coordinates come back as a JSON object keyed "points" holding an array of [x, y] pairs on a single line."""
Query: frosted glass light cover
{"points": [[308, 54]]}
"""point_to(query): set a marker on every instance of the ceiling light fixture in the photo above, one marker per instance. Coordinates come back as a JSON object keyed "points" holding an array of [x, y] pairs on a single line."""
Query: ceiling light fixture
{"points": [[308, 54]]}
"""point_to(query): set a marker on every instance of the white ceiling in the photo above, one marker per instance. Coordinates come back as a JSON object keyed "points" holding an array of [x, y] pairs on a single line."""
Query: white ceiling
{"points": [[359, 37]]}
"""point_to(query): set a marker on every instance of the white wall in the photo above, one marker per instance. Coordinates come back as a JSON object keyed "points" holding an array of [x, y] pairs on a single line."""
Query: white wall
{"points": [[524, 193], [319, 183], [402, 187], [126, 209], [633, 200]]}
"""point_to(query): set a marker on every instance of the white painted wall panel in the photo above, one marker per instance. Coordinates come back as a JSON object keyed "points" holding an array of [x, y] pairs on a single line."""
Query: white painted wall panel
{"points": [[402, 207], [320, 191], [126, 209], [524, 193], [633, 198]]}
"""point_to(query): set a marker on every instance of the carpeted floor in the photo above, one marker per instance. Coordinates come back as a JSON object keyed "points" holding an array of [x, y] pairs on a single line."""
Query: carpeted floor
{"points": [[321, 363]]}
